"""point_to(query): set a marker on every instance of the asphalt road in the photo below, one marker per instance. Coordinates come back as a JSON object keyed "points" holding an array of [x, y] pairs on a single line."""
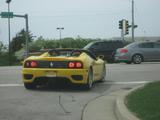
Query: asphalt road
{"points": [[17, 103]]}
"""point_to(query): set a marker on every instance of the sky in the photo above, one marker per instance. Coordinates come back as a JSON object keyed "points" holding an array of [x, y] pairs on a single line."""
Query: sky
{"points": [[84, 18]]}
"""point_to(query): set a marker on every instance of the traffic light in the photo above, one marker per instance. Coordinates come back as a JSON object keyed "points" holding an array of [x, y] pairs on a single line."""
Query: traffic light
{"points": [[8, 1], [126, 27], [121, 24]]}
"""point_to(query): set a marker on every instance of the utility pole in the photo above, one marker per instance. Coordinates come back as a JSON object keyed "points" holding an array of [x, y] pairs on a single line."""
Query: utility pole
{"points": [[9, 32], [133, 21], [27, 35]]}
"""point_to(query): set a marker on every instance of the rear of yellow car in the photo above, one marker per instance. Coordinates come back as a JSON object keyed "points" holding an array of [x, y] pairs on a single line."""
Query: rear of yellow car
{"points": [[41, 70]]}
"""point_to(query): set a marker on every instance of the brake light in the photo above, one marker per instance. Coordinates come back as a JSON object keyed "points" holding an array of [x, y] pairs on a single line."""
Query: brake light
{"points": [[75, 64], [34, 64], [71, 65], [31, 64], [78, 64], [123, 50]]}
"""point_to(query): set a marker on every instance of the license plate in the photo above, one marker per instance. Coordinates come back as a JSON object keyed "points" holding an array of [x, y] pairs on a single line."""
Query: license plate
{"points": [[51, 74]]}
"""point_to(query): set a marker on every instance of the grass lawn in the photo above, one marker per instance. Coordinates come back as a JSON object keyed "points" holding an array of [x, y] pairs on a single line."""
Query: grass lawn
{"points": [[145, 102]]}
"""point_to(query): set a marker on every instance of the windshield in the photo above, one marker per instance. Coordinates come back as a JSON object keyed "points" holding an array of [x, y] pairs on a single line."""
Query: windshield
{"points": [[88, 46]]}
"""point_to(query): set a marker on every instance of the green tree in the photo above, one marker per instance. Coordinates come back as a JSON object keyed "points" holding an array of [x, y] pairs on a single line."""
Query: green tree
{"points": [[74, 43], [20, 54], [43, 44], [20, 40], [2, 47]]}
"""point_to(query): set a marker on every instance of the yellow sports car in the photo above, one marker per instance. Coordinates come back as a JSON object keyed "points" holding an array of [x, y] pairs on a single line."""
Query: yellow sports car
{"points": [[70, 65]]}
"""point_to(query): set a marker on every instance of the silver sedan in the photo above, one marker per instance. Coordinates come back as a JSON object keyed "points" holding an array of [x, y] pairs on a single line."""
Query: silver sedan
{"points": [[138, 52]]}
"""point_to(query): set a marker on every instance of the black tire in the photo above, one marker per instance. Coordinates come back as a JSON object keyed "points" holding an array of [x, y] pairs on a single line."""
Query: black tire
{"points": [[103, 74], [30, 86], [89, 84], [137, 59]]}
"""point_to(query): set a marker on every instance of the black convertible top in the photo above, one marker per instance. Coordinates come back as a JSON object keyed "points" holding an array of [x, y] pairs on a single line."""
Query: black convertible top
{"points": [[70, 52]]}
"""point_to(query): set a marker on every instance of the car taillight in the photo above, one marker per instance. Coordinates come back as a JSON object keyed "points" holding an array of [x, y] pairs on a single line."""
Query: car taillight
{"points": [[75, 64], [34, 64], [71, 64], [31, 64], [123, 50], [78, 64]]}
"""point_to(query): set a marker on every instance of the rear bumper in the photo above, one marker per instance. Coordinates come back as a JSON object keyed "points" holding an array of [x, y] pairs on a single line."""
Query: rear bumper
{"points": [[122, 58], [75, 76]]}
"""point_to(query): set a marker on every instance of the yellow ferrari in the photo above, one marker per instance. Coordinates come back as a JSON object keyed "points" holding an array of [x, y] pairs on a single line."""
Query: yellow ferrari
{"points": [[70, 65]]}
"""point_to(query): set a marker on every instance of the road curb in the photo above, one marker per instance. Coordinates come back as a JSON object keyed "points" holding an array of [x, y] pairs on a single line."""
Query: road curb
{"points": [[121, 110], [87, 104], [109, 107]]}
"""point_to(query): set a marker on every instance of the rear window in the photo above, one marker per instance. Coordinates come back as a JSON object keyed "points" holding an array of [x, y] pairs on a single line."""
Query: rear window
{"points": [[64, 53], [107, 45], [157, 45], [146, 45], [131, 45]]}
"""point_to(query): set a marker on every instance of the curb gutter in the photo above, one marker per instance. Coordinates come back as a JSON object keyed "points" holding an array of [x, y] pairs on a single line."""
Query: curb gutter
{"points": [[109, 107], [122, 111]]}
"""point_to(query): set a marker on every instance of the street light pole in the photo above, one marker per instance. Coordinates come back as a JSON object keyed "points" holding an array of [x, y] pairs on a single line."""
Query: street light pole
{"points": [[9, 32], [133, 21], [60, 29], [27, 36]]}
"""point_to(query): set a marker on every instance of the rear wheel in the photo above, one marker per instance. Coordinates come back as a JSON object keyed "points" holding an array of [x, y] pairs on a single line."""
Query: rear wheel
{"points": [[89, 80], [137, 59], [29, 86]]}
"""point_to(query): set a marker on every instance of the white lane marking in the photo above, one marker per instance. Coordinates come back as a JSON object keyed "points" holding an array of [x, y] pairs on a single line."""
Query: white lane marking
{"points": [[107, 82], [132, 82], [10, 85]]}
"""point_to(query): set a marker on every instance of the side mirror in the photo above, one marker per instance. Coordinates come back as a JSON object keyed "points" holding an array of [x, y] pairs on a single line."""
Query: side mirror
{"points": [[101, 57]]}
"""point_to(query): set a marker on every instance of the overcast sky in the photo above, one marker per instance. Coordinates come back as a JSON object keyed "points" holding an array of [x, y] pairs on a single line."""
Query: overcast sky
{"points": [[84, 18]]}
